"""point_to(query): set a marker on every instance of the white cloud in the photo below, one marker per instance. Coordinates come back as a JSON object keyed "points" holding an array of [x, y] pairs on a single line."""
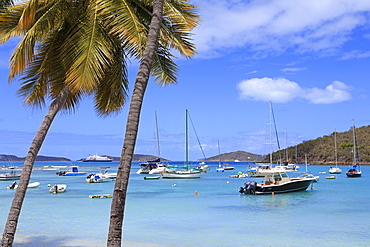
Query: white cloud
{"points": [[281, 90], [276, 25], [293, 69], [334, 93]]}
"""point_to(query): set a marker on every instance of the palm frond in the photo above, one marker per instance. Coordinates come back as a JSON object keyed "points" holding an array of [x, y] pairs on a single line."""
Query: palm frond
{"points": [[164, 68]]}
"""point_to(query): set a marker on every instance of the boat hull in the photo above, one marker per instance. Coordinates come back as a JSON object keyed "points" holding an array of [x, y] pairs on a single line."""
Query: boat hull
{"points": [[181, 174], [9, 178], [353, 175], [292, 186]]}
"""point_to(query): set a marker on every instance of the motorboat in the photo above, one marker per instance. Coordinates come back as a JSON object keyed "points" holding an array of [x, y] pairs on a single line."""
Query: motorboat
{"points": [[10, 176], [14, 185], [239, 175], [58, 188], [203, 167], [107, 174], [73, 172], [331, 177], [152, 178], [263, 170], [289, 167], [277, 182], [97, 158], [96, 178], [227, 167]]}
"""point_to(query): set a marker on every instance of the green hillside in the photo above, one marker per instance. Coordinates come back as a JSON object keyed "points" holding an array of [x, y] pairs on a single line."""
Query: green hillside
{"points": [[321, 151], [238, 155]]}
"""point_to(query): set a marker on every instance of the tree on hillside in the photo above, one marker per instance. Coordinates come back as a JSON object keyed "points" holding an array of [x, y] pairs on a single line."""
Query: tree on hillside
{"points": [[72, 49], [132, 126]]}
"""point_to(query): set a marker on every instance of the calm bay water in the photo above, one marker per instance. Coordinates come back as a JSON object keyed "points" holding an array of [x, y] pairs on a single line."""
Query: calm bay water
{"points": [[168, 213]]}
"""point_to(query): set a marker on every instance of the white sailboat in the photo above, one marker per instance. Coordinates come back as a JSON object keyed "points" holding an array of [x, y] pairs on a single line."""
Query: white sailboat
{"points": [[266, 169], [336, 169], [308, 175], [154, 166], [186, 172]]}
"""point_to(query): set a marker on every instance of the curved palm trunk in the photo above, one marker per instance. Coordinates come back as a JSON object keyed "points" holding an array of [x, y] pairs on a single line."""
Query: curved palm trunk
{"points": [[120, 189], [15, 210]]}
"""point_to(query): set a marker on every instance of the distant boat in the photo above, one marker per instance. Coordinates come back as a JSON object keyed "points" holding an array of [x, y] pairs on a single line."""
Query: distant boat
{"points": [[308, 175], [101, 196], [220, 168], [152, 178], [10, 176], [331, 177], [14, 185], [355, 170], [336, 169], [277, 182], [265, 169], [74, 172], [58, 188], [96, 178], [97, 158], [186, 172]]}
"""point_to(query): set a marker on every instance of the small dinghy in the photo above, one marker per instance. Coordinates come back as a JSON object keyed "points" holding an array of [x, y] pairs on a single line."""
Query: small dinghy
{"points": [[14, 185], [152, 178], [58, 188]]}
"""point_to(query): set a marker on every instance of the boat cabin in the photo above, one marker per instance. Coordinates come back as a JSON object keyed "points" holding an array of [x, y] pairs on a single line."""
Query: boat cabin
{"points": [[276, 178]]}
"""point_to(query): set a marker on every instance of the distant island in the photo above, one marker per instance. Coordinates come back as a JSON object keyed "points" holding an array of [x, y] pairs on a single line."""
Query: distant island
{"points": [[319, 151], [6, 157], [239, 155]]}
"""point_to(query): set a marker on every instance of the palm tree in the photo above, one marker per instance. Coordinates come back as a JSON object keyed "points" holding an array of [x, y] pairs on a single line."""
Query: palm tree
{"points": [[120, 189], [5, 2], [73, 49]]}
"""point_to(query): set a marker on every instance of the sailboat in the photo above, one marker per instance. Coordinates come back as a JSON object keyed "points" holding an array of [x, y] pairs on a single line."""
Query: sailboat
{"points": [[220, 168], [355, 170], [266, 169], [308, 175], [186, 172], [336, 169], [153, 166]]}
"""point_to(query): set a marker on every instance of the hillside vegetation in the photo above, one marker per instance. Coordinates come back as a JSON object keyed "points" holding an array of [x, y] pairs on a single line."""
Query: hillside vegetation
{"points": [[321, 151], [238, 155]]}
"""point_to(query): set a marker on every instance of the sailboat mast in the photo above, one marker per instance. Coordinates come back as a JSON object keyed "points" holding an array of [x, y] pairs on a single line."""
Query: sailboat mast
{"points": [[270, 132], [157, 133], [335, 148], [286, 147], [219, 153], [186, 141], [355, 151]]}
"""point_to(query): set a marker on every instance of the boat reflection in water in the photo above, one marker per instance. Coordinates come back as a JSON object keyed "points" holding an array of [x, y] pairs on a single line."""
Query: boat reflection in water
{"points": [[277, 182]]}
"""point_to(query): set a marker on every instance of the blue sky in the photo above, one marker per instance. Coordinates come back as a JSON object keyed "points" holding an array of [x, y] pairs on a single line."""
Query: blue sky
{"points": [[310, 58]]}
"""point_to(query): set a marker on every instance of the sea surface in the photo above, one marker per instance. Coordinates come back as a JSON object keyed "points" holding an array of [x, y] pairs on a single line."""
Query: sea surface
{"points": [[336, 212]]}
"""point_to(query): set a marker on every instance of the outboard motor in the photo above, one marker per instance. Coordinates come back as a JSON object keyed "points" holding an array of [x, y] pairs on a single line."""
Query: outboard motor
{"points": [[249, 188]]}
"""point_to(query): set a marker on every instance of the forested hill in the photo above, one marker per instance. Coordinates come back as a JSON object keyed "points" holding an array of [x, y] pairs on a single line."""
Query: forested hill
{"points": [[238, 155], [322, 150]]}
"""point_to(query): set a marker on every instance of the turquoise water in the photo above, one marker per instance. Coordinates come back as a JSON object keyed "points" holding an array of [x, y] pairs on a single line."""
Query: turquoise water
{"points": [[168, 213]]}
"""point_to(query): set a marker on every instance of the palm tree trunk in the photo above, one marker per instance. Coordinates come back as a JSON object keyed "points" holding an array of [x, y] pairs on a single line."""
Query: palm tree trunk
{"points": [[132, 126], [15, 210]]}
